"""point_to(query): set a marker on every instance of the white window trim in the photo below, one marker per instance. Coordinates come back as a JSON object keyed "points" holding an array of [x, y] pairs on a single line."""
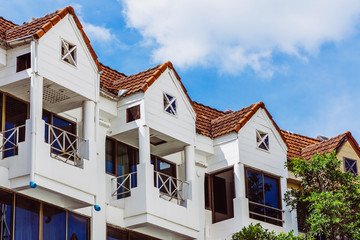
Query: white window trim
{"points": [[262, 141], [169, 104], [68, 53]]}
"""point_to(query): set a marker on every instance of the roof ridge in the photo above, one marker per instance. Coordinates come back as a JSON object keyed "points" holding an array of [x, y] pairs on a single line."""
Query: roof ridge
{"points": [[300, 135], [8, 21], [113, 69], [209, 107], [342, 135]]}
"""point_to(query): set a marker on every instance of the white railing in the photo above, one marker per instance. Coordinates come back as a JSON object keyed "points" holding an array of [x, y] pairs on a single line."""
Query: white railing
{"points": [[265, 211], [170, 187], [64, 145], [124, 184], [11, 138]]}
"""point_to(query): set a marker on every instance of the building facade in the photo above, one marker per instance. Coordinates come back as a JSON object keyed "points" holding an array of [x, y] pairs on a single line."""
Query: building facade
{"points": [[90, 153]]}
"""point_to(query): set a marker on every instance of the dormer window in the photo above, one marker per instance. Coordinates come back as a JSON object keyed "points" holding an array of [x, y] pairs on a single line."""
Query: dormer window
{"points": [[350, 166], [169, 104], [68, 52], [262, 140]]}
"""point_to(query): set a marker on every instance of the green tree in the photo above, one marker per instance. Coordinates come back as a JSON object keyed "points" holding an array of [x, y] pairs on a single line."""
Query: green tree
{"points": [[328, 198], [257, 232]]}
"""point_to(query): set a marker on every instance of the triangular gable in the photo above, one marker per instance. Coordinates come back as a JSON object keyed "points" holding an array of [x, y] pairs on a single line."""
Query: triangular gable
{"points": [[40, 26]]}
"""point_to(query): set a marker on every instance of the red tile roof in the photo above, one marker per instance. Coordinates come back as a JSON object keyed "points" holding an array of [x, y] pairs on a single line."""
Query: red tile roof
{"points": [[305, 147], [108, 77], [213, 123], [296, 142], [39, 26]]}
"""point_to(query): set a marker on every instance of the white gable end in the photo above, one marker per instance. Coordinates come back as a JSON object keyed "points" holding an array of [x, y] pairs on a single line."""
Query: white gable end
{"points": [[180, 125], [82, 78]]}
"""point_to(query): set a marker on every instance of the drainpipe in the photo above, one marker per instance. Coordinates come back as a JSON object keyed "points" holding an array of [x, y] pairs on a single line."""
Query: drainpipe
{"points": [[34, 85]]}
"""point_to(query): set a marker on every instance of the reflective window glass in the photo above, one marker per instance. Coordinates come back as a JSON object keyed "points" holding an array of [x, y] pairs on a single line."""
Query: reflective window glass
{"points": [[26, 219], [54, 223], [78, 227], [5, 214]]}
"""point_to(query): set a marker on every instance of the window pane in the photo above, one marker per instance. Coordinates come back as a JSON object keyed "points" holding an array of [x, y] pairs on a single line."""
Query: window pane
{"points": [[26, 219], [54, 223], [271, 192], [223, 195], [5, 214], [115, 234], [255, 187], [15, 115], [110, 156], [78, 227]]}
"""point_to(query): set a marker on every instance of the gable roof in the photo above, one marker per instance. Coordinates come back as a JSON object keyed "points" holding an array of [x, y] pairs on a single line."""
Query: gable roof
{"points": [[305, 147], [296, 143], [39, 26], [214, 123]]}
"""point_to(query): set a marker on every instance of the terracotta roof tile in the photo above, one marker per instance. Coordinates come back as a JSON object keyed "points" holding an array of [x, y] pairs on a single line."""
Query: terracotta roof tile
{"points": [[108, 76], [5, 25], [326, 146], [39, 26], [296, 142], [205, 115]]}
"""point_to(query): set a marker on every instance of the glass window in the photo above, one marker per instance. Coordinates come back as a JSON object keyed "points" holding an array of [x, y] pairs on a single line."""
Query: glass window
{"points": [[23, 62], [6, 202], [207, 191], [110, 156], [166, 170], [263, 192], [68, 52], [223, 193], [116, 234], [78, 227], [26, 219], [262, 140], [133, 113], [15, 116], [350, 166], [54, 223], [169, 104]]}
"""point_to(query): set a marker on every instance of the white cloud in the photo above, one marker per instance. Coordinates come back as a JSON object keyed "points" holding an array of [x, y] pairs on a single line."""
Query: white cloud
{"points": [[94, 32], [233, 34]]}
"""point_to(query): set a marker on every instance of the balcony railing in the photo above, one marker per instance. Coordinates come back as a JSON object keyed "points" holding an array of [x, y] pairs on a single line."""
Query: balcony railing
{"points": [[10, 139], [124, 184], [171, 188], [266, 213], [64, 145]]}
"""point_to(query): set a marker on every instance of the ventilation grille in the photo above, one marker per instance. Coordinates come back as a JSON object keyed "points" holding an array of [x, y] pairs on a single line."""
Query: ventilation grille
{"points": [[53, 96]]}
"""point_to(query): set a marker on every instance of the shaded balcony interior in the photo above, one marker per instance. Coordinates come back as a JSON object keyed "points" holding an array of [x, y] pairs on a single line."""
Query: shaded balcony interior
{"points": [[167, 158]]}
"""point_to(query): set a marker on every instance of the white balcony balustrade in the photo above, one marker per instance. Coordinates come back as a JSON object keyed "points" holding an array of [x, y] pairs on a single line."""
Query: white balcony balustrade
{"points": [[266, 213], [171, 188], [123, 185], [10, 139], [64, 145]]}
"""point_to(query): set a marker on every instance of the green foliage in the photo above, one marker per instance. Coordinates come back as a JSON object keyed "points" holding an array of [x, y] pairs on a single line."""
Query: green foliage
{"points": [[328, 198], [257, 232]]}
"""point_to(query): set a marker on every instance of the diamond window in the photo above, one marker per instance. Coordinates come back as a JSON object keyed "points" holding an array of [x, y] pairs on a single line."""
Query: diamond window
{"points": [[68, 52], [262, 140], [169, 104], [350, 166]]}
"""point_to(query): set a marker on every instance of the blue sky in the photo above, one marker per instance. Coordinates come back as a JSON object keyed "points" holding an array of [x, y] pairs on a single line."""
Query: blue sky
{"points": [[301, 58]]}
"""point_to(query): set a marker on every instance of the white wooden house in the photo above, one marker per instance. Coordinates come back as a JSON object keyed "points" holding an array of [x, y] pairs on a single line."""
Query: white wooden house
{"points": [[89, 152]]}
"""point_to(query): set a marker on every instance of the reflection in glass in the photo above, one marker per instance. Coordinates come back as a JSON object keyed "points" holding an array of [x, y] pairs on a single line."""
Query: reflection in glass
{"points": [[54, 223], [5, 215], [26, 219], [78, 227]]}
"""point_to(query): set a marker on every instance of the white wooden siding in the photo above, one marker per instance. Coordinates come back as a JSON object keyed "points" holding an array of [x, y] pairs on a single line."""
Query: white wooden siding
{"points": [[181, 126], [83, 78]]}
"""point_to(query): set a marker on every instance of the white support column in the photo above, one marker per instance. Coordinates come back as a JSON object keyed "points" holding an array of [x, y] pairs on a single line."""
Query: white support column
{"points": [[190, 170], [89, 120], [144, 145]]}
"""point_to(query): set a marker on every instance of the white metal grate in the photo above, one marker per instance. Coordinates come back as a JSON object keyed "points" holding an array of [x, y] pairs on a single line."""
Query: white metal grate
{"points": [[53, 96]]}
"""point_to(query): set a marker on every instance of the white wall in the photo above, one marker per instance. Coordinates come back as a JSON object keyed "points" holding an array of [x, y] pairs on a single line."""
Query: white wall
{"points": [[83, 78]]}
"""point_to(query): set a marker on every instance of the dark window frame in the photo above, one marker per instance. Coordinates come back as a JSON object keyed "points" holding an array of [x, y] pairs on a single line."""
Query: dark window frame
{"points": [[279, 194], [42, 203], [345, 160], [211, 193], [128, 232], [133, 113], [23, 62]]}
